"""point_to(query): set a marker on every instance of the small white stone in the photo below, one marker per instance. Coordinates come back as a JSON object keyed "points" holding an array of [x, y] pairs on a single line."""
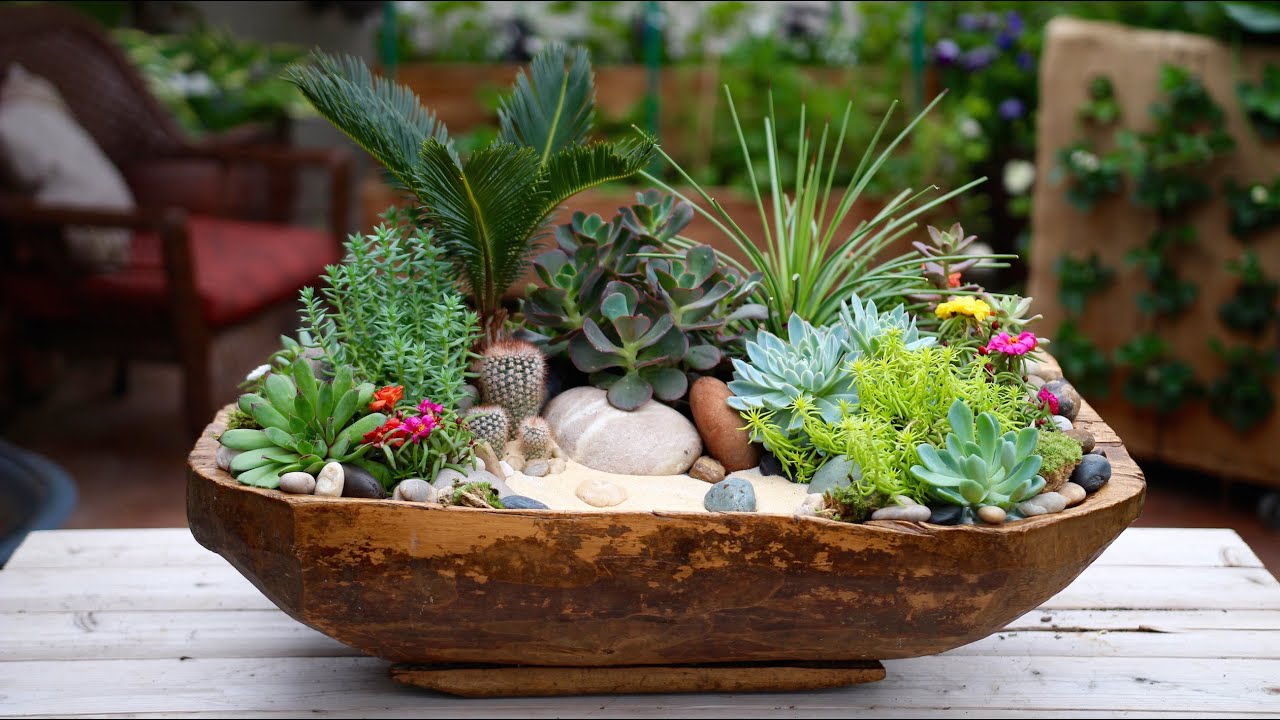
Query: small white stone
{"points": [[558, 465], [1036, 381], [810, 506], [909, 513], [330, 480], [1041, 370], [600, 493], [507, 468], [1062, 423], [1043, 504], [298, 483], [1073, 493], [224, 457], [904, 500], [991, 514], [537, 468], [414, 490], [445, 479]]}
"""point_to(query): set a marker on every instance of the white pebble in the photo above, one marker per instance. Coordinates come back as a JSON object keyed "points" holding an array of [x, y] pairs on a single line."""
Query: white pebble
{"points": [[910, 513], [1043, 504], [600, 493], [298, 483], [1063, 423], [330, 480], [225, 456], [810, 506], [414, 490], [1072, 492]]}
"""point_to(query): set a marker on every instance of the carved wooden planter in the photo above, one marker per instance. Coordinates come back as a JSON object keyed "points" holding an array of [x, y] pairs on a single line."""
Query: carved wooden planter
{"points": [[530, 602]]}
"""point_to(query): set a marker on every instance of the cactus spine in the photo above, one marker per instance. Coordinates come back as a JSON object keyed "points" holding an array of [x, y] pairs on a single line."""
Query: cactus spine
{"points": [[489, 423], [535, 438], [513, 374]]}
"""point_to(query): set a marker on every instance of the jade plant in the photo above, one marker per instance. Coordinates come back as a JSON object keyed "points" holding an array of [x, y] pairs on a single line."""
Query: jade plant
{"points": [[978, 466], [306, 423], [630, 264], [809, 366]]}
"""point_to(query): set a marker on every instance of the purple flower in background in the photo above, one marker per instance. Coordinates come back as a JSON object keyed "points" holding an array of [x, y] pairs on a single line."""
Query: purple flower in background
{"points": [[1013, 22], [979, 58], [1011, 109], [946, 51], [1005, 40], [969, 22], [1026, 61]]}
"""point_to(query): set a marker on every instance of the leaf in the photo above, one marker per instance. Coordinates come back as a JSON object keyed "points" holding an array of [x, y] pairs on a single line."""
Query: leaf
{"points": [[266, 476], [256, 458], [703, 357], [750, 311], [597, 338], [280, 392], [485, 213], [961, 419], [345, 408], [616, 305], [262, 412], [936, 479], [668, 383], [1253, 17], [554, 106], [588, 359], [245, 439], [305, 379], [629, 392], [357, 430], [381, 116], [971, 491], [281, 438], [578, 168], [631, 328]]}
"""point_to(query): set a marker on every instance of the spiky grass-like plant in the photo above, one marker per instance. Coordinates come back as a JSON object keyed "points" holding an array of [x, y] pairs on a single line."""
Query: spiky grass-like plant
{"points": [[488, 209], [806, 268]]}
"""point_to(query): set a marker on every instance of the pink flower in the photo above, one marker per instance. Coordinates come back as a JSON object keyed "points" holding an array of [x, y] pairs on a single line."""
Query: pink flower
{"points": [[1049, 399], [1021, 345], [426, 407], [419, 427]]}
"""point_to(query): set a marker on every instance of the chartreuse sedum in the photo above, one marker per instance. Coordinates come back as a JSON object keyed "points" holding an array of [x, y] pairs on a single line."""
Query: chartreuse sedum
{"points": [[306, 423]]}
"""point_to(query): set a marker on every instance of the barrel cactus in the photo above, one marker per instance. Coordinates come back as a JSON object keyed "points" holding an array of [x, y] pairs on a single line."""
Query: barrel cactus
{"points": [[489, 423], [535, 438], [777, 372], [513, 374], [982, 468], [305, 423]]}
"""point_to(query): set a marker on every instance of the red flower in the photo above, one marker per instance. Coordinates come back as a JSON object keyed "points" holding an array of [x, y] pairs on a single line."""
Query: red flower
{"points": [[386, 434], [386, 398], [953, 280]]}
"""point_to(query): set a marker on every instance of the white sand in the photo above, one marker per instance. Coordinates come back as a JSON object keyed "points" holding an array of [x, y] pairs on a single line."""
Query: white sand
{"points": [[774, 495]]}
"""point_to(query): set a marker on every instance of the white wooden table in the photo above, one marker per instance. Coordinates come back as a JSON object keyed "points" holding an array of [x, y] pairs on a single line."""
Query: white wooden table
{"points": [[1168, 623]]}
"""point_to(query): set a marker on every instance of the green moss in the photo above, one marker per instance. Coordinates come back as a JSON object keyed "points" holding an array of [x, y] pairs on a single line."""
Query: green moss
{"points": [[483, 489], [1057, 451], [241, 420]]}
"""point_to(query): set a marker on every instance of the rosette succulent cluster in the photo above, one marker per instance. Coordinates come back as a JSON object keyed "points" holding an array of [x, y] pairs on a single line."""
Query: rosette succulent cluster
{"points": [[634, 307], [863, 326], [777, 372], [305, 424], [982, 467]]}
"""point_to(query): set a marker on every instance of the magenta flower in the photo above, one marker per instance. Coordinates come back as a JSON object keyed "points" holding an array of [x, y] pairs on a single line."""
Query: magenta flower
{"points": [[1048, 399], [1021, 345], [426, 407], [419, 427]]}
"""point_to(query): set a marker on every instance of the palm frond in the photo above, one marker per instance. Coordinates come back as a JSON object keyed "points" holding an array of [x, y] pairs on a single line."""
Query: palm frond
{"points": [[483, 212], [381, 116], [579, 167], [553, 108]]}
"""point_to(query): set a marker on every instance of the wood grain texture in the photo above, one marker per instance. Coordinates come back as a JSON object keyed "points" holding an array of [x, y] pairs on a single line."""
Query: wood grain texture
{"points": [[488, 681], [423, 584]]}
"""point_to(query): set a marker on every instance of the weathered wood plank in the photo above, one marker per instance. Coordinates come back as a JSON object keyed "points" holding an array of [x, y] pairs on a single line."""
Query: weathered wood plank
{"points": [[1180, 547], [353, 685], [222, 587], [606, 708], [1148, 620], [1206, 644]]}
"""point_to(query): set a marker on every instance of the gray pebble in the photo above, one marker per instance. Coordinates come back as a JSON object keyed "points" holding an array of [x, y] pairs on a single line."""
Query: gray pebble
{"points": [[910, 513], [1084, 437], [360, 483], [224, 457], [414, 490], [1043, 504], [1092, 473], [330, 480], [494, 481], [520, 502], [733, 494], [537, 468], [445, 479], [1068, 398], [1062, 423], [298, 483]]}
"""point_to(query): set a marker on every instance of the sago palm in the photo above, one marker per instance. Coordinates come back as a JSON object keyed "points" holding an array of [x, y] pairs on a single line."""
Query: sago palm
{"points": [[487, 211]]}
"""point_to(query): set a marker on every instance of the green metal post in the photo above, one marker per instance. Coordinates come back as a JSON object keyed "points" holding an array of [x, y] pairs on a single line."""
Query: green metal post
{"points": [[653, 64], [917, 55], [388, 45]]}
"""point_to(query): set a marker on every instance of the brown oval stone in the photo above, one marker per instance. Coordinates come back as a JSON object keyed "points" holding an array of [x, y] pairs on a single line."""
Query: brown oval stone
{"points": [[719, 424]]}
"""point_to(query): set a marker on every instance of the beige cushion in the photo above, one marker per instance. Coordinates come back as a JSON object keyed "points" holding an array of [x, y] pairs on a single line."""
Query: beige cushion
{"points": [[52, 157]]}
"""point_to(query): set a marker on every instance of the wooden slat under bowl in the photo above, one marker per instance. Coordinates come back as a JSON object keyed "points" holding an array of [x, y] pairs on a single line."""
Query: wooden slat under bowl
{"points": [[425, 584]]}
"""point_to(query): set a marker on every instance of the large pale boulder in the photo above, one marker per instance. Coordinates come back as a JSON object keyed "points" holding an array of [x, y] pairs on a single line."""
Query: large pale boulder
{"points": [[653, 440]]}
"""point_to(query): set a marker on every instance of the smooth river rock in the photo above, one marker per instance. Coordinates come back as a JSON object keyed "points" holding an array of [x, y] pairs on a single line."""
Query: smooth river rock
{"points": [[1068, 398], [1043, 504], [599, 492], [707, 469], [522, 502], [330, 480], [1092, 473], [652, 440], [414, 490], [360, 483], [224, 457], [298, 483], [719, 424], [732, 494]]}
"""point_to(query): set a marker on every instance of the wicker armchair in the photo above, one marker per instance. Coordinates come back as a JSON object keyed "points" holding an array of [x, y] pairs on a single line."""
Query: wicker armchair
{"points": [[199, 266]]}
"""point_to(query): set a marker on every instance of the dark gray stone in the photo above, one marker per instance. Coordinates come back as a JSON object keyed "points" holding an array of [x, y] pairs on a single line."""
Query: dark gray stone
{"points": [[770, 465], [520, 502], [733, 494], [1092, 473], [1068, 398], [360, 483], [946, 514]]}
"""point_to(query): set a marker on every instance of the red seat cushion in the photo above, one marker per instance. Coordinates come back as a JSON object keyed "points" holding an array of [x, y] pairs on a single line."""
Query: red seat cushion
{"points": [[240, 268]]}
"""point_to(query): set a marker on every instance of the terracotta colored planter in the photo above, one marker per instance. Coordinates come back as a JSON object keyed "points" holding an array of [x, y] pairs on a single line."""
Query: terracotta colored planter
{"points": [[577, 599]]}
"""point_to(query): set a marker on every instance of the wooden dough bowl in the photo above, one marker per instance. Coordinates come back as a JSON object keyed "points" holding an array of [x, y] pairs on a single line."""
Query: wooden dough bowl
{"points": [[490, 602]]}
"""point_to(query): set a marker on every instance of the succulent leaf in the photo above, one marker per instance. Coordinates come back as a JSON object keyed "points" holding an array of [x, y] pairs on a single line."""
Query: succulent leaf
{"points": [[245, 439], [668, 384], [629, 392]]}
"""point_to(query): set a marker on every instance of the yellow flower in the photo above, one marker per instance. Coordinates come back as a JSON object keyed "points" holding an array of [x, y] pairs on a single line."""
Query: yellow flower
{"points": [[971, 306]]}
